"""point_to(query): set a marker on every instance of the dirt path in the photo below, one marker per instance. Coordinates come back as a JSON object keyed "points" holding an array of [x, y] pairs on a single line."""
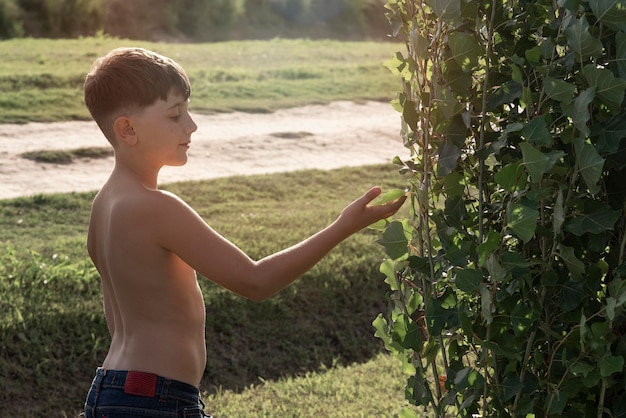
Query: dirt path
{"points": [[337, 135]]}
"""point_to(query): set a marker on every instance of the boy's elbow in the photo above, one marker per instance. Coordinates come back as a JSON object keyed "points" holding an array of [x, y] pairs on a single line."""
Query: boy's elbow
{"points": [[258, 298], [254, 286], [256, 294]]}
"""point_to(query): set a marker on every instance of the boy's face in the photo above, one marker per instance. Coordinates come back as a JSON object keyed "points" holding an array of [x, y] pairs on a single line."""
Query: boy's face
{"points": [[164, 131]]}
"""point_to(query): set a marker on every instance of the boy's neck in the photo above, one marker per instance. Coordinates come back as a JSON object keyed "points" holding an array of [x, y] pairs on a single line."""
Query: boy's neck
{"points": [[145, 176]]}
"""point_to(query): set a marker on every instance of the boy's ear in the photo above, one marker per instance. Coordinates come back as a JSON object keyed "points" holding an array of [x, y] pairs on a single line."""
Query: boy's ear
{"points": [[124, 130]]}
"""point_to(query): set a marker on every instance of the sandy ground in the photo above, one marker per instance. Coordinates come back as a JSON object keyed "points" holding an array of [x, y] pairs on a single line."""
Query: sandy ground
{"points": [[337, 135]]}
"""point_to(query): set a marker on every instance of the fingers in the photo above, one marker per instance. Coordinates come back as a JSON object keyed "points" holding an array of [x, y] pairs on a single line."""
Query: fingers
{"points": [[391, 208], [370, 195]]}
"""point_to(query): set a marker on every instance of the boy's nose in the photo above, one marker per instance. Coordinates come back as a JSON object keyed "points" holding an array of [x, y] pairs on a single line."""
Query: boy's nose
{"points": [[192, 127]]}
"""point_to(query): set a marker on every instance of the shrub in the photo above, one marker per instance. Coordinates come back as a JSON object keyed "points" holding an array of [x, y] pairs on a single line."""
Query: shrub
{"points": [[200, 20], [212, 20], [508, 282], [10, 19]]}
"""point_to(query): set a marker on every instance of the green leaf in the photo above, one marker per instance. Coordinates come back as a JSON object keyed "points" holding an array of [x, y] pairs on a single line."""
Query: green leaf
{"points": [[409, 114], [522, 220], [407, 333], [468, 377], [389, 196], [516, 73], [610, 134], [617, 290], [559, 90], [611, 304], [453, 185], [396, 64], [441, 312], [465, 49], [486, 304], [496, 271], [512, 177], [610, 12], [419, 43], [537, 131], [457, 131], [581, 368], [446, 10], [572, 295], [455, 209], [602, 219], [574, 265], [620, 54], [547, 49], [460, 81], [446, 103], [468, 280], [505, 94], [510, 386], [535, 161], [394, 16], [558, 214], [381, 327], [407, 412], [579, 110], [485, 249], [590, 164], [448, 157], [533, 55], [521, 318], [610, 365], [395, 241], [558, 402], [581, 41], [387, 268], [608, 88]]}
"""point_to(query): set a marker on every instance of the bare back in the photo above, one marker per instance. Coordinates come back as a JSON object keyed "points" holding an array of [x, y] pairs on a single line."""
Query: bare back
{"points": [[153, 304]]}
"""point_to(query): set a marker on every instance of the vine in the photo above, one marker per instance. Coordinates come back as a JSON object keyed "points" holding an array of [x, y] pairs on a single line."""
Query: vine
{"points": [[507, 281]]}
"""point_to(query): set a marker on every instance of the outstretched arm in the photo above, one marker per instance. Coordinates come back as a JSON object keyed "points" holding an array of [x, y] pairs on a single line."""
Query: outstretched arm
{"points": [[280, 269], [222, 262]]}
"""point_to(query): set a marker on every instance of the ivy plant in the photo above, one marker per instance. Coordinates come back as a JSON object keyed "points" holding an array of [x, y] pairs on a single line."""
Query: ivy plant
{"points": [[507, 280]]}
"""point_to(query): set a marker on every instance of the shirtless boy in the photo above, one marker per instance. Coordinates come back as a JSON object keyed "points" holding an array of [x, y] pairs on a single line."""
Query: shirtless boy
{"points": [[148, 244]]}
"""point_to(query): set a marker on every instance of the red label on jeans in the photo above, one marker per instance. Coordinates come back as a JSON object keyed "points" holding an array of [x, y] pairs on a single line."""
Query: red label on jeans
{"points": [[140, 384]]}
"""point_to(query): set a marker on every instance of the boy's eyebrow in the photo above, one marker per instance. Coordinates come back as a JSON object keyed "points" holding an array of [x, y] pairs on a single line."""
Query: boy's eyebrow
{"points": [[177, 104]]}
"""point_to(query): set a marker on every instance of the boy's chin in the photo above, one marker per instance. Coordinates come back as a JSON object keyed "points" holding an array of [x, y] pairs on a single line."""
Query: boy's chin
{"points": [[177, 163]]}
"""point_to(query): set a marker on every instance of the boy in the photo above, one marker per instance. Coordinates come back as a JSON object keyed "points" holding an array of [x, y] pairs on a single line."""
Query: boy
{"points": [[147, 244]]}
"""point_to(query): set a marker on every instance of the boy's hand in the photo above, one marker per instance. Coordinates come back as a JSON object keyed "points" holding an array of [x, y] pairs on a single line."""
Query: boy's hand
{"points": [[357, 215]]}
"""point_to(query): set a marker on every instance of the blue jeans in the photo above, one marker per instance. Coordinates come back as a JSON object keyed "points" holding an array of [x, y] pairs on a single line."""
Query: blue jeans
{"points": [[117, 393]]}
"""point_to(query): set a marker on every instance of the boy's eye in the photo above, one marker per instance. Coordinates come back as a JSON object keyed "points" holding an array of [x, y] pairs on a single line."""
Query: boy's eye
{"points": [[175, 117]]}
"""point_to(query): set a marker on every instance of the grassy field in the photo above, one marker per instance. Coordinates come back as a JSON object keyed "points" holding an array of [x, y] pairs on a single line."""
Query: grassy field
{"points": [[294, 347], [41, 80]]}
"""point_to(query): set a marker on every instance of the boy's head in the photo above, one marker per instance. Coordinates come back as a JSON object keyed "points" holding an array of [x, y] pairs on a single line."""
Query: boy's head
{"points": [[126, 80]]}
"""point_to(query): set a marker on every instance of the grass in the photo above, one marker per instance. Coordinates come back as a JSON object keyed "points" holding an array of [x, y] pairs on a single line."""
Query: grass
{"points": [[41, 80], [67, 156], [333, 392], [309, 351]]}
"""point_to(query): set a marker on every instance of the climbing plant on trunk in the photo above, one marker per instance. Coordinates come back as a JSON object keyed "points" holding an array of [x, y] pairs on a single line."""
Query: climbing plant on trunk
{"points": [[507, 281]]}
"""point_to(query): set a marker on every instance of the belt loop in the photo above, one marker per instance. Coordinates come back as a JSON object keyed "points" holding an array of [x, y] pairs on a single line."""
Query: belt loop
{"points": [[100, 374], [165, 390], [97, 385]]}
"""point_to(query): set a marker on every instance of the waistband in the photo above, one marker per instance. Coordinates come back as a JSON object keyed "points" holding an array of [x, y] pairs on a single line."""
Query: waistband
{"points": [[146, 384]]}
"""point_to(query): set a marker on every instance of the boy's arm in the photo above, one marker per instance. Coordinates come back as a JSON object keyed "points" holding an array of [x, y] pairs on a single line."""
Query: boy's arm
{"points": [[188, 236]]}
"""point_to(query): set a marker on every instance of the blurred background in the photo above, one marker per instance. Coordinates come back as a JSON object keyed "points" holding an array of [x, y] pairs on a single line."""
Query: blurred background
{"points": [[195, 20]]}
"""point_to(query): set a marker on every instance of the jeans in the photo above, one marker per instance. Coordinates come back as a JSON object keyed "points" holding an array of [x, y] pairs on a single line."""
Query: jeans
{"points": [[117, 393]]}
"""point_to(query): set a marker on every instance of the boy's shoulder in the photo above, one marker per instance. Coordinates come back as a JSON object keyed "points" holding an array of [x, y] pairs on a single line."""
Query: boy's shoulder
{"points": [[137, 201]]}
